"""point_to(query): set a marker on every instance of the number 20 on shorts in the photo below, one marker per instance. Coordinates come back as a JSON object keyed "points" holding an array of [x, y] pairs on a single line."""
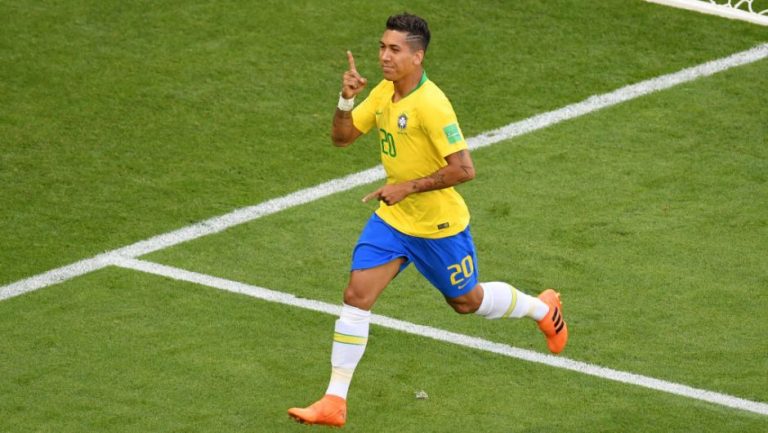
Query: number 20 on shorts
{"points": [[461, 271]]}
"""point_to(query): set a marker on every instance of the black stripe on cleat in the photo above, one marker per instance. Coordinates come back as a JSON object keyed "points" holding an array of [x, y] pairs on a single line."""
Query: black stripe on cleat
{"points": [[560, 327]]}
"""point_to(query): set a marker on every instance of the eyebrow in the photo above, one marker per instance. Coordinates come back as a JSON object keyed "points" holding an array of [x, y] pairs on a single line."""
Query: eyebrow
{"points": [[389, 45]]}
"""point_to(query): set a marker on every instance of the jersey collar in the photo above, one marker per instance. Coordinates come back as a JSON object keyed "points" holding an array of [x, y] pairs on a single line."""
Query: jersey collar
{"points": [[422, 81]]}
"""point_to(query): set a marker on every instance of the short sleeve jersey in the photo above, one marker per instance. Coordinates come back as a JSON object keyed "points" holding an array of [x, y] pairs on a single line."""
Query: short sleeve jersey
{"points": [[415, 134]]}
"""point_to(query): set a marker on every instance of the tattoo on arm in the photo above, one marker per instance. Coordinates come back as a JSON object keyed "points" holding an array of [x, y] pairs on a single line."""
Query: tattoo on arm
{"points": [[342, 131], [343, 114], [438, 179], [466, 165], [447, 176], [341, 117], [467, 171]]}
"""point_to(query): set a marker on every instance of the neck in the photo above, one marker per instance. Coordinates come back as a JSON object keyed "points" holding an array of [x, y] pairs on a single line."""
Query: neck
{"points": [[406, 85]]}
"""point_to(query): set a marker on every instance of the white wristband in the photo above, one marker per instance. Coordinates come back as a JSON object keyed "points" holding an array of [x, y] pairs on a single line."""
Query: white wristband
{"points": [[346, 104]]}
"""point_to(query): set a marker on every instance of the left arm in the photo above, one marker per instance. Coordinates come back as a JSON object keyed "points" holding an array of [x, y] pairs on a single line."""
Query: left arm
{"points": [[460, 169]]}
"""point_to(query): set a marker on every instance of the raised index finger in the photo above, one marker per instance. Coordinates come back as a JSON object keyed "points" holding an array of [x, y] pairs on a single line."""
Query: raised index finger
{"points": [[351, 61]]}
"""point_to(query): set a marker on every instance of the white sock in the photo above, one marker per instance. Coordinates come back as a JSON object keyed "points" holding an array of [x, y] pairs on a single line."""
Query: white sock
{"points": [[349, 341], [500, 300]]}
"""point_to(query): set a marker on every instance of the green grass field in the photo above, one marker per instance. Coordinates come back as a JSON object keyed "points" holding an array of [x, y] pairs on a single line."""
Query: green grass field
{"points": [[120, 121]]}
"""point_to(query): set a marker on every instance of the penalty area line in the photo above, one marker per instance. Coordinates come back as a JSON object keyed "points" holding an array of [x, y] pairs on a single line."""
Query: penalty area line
{"points": [[307, 195], [447, 336]]}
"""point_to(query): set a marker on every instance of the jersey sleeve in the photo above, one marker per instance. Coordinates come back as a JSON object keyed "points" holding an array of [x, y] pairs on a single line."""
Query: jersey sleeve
{"points": [[364, 115], [441, 125]]}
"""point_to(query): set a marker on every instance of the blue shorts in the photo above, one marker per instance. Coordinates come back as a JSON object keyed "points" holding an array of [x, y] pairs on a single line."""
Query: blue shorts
{"points": [[450, 264]]}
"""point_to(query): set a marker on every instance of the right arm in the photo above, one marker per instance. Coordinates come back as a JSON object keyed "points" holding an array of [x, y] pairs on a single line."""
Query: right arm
{"points": [[343, 131]]}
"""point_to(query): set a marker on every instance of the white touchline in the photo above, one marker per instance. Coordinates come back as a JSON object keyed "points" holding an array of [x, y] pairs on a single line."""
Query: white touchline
{"points": [[250, 213], [446, 336]]}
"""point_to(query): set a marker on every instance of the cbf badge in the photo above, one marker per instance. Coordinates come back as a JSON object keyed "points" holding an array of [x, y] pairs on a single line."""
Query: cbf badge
{"points": [[402, 121]]}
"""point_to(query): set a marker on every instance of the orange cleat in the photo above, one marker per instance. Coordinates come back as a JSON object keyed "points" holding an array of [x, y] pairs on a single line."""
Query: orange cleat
{"points": [[330, 410], [553, 324]]}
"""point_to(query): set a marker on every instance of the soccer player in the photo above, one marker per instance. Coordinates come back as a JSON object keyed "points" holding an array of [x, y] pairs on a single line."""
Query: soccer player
{"points": [[421, 218]]}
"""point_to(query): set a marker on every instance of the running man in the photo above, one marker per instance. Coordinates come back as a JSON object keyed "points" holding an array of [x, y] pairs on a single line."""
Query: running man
{"points": [[421, 218]]}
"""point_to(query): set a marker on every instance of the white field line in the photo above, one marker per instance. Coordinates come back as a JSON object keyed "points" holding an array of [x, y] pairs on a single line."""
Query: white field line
{"points": [[246, 214], [448, 337]]}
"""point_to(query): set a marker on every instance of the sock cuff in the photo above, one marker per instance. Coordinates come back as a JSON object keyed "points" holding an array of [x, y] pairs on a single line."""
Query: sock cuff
{"points": [[352, 326], [486, 305], [354, 315], [498, 300]]}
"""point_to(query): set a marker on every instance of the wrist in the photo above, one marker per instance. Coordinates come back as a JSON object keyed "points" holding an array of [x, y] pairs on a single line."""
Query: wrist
{"points": [[345, 104]]}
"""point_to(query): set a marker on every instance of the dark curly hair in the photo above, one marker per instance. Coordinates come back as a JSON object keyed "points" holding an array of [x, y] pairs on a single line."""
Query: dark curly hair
{"points": [[415, 26]]}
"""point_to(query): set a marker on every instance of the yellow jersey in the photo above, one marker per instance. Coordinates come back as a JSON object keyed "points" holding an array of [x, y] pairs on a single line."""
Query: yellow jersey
{"points": [[415, 135]]}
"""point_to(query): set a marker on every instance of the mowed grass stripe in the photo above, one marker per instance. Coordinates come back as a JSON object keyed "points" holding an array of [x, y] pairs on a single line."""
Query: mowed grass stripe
{"points": [[447, 336], [243, 215]]}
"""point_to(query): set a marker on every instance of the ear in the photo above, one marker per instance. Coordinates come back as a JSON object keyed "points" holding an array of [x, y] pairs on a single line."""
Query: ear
{"points": [[418, 57]]}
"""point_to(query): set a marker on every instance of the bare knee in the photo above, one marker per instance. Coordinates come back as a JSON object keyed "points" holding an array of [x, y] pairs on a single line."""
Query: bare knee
{"points": [[462, 308], [468, 303], [362, 299], [366, 285]]}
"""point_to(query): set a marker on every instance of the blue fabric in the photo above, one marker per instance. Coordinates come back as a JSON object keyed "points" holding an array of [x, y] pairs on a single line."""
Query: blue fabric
{"points": [[450, 263]]}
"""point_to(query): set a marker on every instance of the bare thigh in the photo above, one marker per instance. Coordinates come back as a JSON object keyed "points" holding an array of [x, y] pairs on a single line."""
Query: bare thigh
{"points": [[366, 285]]}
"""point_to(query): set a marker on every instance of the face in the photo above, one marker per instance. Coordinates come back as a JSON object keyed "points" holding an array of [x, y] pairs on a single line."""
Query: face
{"points": [[396, 57]]}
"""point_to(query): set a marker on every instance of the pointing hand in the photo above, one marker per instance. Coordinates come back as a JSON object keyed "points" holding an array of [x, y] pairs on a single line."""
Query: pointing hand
{"points": [[352, 83]]}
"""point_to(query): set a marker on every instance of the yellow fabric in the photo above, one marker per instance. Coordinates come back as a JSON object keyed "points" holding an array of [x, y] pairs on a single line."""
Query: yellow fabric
{"points": [[349, 339], [415, 135], [512, 304]]}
